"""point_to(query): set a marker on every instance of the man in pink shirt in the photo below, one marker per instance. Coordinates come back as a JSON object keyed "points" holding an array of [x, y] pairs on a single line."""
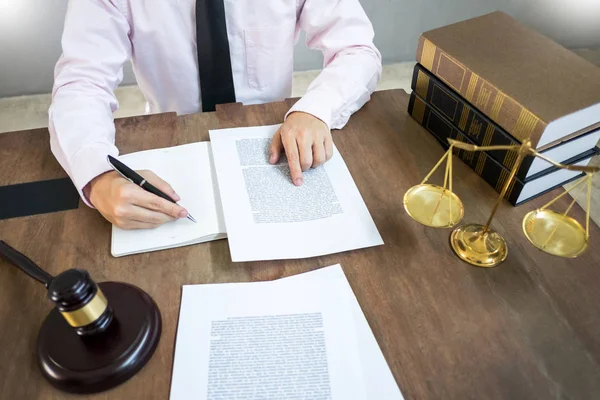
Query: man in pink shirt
{"points": [[166, 47]]}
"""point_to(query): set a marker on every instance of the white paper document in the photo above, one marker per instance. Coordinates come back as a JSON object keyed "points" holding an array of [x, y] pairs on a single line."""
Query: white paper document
{"points": [[268, 217], [189, 170], [299, 338], [379, 381]]}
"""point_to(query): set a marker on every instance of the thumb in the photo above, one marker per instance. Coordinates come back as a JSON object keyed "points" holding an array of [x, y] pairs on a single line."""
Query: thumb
{"points": [[275, 147], [160, 184]]}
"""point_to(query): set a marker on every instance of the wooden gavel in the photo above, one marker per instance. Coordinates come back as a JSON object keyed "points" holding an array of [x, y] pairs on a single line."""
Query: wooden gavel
{"points": [[98, 335], [73, 292]]}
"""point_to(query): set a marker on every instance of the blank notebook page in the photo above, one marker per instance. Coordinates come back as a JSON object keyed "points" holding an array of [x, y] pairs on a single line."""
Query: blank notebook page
{"points": [[188, 169]]}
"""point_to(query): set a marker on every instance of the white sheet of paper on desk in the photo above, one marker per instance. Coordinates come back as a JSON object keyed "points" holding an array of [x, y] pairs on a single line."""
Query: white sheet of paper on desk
{"points": [[379, 381], [268, 218], [276, 340]]}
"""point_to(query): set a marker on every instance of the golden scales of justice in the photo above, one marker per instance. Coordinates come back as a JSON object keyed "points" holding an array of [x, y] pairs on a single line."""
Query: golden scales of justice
{"points": [[479, 245]]}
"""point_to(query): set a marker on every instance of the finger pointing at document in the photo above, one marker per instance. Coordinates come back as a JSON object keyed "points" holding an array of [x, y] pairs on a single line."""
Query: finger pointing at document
{"points": [[306, 141]]}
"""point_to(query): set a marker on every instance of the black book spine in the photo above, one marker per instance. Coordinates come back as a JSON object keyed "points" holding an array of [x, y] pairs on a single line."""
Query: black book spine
{"points": [[480, 162], [470, 121]]}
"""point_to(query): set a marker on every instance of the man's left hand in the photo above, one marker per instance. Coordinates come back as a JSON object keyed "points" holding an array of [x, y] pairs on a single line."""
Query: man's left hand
{"points": [[306, 141]]}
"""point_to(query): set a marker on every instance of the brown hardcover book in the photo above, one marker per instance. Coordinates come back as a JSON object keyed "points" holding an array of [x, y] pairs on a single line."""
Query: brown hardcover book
{"points": [[529, 85]]}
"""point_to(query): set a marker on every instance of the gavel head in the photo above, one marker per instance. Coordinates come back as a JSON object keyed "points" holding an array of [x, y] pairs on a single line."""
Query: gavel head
{"points": [[81, 302]]}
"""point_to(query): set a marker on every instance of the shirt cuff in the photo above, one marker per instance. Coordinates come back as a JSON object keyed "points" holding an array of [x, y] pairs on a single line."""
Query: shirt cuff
{"points": [[89, 162], [317, 103]]}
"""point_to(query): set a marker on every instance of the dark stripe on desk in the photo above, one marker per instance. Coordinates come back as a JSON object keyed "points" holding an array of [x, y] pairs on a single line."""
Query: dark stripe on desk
{"points": [[37, 198]]}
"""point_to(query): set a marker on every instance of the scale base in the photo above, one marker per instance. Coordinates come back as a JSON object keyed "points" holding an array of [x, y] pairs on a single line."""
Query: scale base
{"points": [[96, 363], [477, 248]]}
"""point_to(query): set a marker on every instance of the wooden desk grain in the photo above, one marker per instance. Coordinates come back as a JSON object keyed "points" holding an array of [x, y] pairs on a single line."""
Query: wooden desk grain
{"points": [[528, 329]]}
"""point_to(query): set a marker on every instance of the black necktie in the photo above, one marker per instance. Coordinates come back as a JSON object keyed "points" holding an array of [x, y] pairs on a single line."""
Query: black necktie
{"points": [[214, 63]]}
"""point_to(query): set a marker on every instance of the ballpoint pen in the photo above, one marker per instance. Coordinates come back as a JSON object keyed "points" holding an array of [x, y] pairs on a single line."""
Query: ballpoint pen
{"points": [[139, 180]]}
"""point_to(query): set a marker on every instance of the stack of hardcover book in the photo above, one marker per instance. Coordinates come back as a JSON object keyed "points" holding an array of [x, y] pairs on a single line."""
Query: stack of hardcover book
{"points": [[492, 81]]}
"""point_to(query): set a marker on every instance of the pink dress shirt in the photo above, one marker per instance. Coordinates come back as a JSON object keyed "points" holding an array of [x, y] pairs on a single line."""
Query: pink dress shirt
{"points": [[159, 36]]}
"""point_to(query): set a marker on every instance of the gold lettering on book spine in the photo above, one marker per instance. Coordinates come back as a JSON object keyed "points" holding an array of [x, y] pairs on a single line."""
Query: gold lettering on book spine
{"points": [[475, 129], [510, 188], [489, 133], [472, 85], [464, 116], [422, 84], [456, 150], [428, 54], [480, 163], [418, 111], [482, 157], [497, 106], [512, 159], [505, 179], [483, 98], [498, 181], [507, 159], [501, 180], [525, 125]]}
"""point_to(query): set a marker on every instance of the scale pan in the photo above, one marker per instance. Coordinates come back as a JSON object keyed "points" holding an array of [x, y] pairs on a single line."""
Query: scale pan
{"points": [[430, 205], [555, 233]]}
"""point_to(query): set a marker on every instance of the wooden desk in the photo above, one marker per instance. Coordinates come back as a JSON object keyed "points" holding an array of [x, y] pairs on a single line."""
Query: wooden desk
{"points": [[529, 328]]}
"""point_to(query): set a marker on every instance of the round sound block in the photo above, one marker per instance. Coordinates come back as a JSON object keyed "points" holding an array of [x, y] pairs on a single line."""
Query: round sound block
{"points": [[96, 363]]}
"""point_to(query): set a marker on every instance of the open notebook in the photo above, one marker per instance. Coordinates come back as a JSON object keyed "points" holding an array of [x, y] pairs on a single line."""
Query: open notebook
{"points": [[189, 170]]}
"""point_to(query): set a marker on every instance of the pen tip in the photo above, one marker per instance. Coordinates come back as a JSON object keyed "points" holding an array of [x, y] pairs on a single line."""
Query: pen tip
{"points": [[191, 218]]}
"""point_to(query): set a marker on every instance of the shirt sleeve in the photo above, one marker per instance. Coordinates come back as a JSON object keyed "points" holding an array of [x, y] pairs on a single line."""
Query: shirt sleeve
{"points": [[95, 46], [341, 30]]}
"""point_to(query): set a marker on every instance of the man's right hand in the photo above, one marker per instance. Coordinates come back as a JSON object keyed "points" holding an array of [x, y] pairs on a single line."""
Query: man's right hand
{"points": [[128, 206]]}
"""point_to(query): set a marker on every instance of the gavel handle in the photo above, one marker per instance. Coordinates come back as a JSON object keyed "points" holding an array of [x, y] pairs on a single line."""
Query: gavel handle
{"points": [[25, 264]]}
